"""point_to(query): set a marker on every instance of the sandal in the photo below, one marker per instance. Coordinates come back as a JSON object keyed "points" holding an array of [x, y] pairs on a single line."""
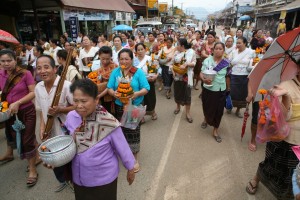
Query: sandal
{"points": [[203, 125], [190, 120], [239, 115], [143, 121], [252, 147], [136, 167], [31, 181], [176, 111], [218, 138], [250, 188], [154, 116]]}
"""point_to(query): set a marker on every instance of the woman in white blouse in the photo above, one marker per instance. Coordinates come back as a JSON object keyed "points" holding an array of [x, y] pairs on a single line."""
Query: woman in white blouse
{"points": [[185, 59], [54, 49], [117, 40], [143, 62], [241, 60]]}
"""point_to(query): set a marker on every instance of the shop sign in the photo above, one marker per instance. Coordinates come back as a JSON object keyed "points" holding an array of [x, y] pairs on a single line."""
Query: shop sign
{"points": [[128, 17], [87, 15], [119, 16], [74, 27]]}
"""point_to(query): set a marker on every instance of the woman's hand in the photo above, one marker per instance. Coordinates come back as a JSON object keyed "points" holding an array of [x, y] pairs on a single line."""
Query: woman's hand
{"points": [[134, 96], [14, 107], [130, 176], [249, 98], [115, 95], [47, 166], [278, 91], [152, 78], [207, 81], [183, 66]]}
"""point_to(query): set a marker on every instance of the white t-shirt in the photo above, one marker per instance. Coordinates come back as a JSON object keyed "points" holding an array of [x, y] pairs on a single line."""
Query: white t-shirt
{"points": [[29, 53], [83, 54], [43, 101], [115, 55], [53, 53]]}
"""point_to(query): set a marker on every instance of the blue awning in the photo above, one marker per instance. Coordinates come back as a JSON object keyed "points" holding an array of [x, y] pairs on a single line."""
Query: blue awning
{"points": [[245, 17]]}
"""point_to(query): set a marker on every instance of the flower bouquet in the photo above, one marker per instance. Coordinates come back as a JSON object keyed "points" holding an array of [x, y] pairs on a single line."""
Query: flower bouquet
{"points": [[152, 68], [271, 121], [163, 58], [256, 59], [176, 66], [124, 90], [3, 106], [93, 76]]}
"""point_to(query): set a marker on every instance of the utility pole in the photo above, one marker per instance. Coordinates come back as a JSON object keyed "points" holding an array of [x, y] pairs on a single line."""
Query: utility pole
{"points": [[147, 9], [181, 6], [172, 7]]}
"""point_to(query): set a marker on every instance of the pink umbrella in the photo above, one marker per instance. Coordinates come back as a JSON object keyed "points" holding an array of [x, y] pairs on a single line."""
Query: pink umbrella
{"points": [[278, 64], [7, 37]]}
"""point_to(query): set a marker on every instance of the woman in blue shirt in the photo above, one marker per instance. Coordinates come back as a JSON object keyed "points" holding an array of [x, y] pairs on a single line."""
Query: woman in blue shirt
{"points": [[214, 91], [140, 86]]}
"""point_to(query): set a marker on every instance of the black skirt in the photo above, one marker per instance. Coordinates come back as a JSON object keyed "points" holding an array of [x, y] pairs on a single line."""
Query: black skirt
{"points": [[239, 90], [167, 77], [103, 192], [213, 106], [182, 93], [276, 171], [133, 137], [150, 99]]}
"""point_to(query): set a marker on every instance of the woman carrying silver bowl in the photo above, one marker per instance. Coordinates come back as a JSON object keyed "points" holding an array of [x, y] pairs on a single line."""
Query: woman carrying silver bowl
{"points": [[214, 89], [99, 142]]}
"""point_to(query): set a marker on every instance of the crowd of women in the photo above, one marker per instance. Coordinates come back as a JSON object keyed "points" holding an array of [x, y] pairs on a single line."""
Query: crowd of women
{"points": [[174, 61]]}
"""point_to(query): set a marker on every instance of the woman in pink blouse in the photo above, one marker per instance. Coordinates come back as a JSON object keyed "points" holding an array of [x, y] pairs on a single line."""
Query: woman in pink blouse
{"points": [[17, 86]]}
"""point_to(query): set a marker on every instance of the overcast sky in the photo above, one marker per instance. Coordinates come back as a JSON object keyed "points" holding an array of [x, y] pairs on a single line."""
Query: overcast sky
{"points": [[209, 5]]}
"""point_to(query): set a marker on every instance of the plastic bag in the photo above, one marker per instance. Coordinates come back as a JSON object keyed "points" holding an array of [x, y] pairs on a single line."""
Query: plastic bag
{"points": [[228, 104], [132, 115], [272, 125]]}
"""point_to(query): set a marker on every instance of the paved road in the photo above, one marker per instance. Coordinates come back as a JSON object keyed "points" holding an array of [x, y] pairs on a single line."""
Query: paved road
{"points": [[179, 161]]}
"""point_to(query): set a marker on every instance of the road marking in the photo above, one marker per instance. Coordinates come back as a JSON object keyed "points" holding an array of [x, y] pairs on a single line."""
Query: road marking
{"points": [[151, 193]]}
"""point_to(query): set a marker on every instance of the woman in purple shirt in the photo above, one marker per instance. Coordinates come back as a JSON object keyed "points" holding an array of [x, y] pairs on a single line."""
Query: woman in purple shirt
{"points": [[99, 141], [17, 86]]}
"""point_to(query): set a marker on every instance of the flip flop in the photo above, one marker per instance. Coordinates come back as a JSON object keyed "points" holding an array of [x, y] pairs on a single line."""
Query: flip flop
{"points": [[250, 189], [190, 120], [218, 138], [176, 111], [154, 116], [31, 181], [252, 147], [203, 125], [6, 160]]}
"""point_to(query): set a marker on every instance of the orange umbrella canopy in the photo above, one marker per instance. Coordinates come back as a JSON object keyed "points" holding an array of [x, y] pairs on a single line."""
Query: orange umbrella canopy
{"points": [[7, 37], [280, 63]]}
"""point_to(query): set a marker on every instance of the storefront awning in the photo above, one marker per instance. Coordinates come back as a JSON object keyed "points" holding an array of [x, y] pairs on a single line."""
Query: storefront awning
{"points": [[107, 5], [291, 7]]}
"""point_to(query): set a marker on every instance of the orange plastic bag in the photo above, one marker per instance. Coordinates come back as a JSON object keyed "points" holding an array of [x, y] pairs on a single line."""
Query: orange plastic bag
{"points": [[272, 125]]}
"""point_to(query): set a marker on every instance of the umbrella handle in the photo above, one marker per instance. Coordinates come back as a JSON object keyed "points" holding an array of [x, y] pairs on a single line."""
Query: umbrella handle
{"points": [[16, 115]]}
